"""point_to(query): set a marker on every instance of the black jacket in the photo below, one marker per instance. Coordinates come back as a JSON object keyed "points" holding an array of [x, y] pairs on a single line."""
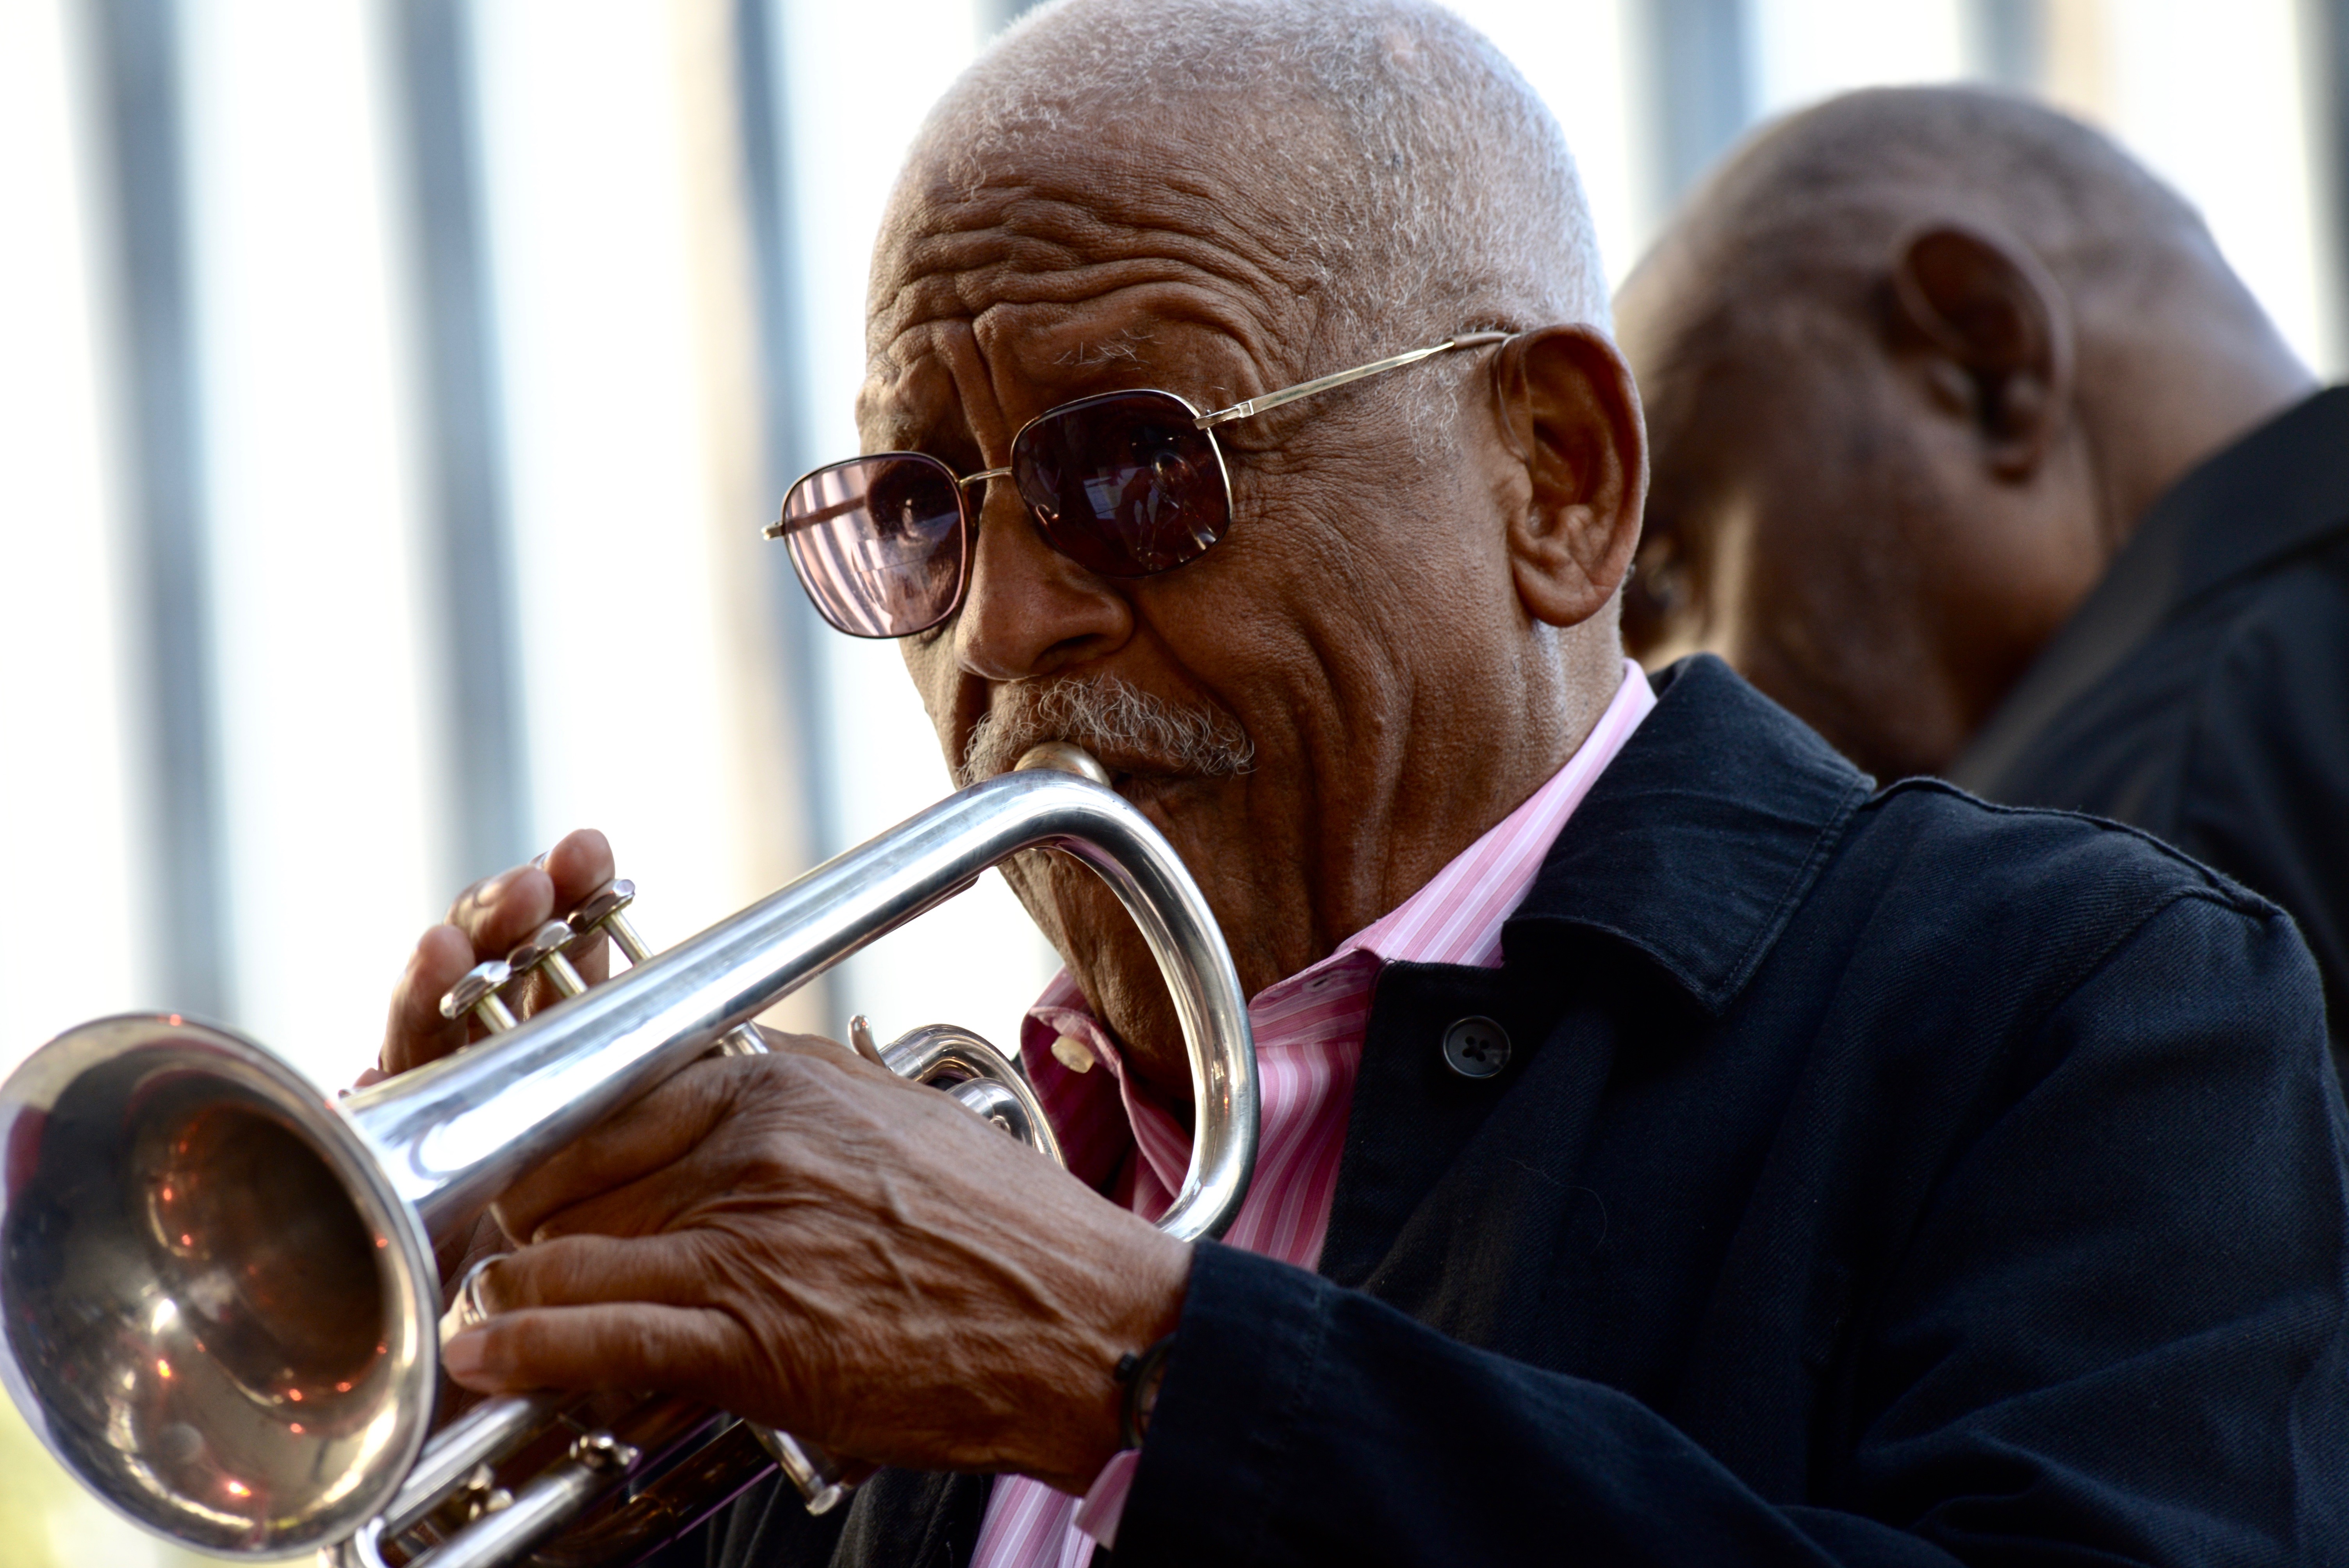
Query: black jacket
{"points": [[1876, 1179], [2202, 692]]}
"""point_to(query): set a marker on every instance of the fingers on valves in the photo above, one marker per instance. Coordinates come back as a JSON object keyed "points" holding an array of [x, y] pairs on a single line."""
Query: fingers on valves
{"points": [[486, 989]]}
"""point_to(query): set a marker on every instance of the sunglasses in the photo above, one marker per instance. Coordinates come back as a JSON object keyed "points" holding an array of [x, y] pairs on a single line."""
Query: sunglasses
{"points": [[1126, 484]]}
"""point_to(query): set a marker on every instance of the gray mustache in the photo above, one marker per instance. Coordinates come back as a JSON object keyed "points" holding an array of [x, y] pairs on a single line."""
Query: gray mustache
{"points": [[1105, 714]]}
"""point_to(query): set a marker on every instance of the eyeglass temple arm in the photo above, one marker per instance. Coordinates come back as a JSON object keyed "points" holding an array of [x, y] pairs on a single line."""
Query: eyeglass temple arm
{"points": [[786, 523], [1324, 383], [783, 525]]}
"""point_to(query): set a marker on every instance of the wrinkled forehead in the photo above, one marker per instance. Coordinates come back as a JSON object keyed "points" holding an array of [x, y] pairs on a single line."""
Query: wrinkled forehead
{"points": [[1093, 238]]}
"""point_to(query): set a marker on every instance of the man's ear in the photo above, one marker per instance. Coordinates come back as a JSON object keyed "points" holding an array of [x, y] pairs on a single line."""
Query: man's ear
{"points": [[1568, 405], [1997, 334]]}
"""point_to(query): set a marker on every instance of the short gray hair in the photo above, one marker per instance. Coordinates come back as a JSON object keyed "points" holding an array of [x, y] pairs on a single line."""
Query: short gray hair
{"points": [[1450, 203]]}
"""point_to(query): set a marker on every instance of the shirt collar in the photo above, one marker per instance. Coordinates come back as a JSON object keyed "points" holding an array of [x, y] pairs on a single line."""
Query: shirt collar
{"points": [[1457, 918]]}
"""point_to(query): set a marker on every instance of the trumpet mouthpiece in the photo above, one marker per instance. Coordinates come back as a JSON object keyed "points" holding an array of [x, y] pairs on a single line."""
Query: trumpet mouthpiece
{"points": [[1063, 757]]}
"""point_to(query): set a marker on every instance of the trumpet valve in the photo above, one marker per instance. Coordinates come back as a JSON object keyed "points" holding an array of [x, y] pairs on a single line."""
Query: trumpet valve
{"points": [[606, 910], [543, 953], [477, 994], [604, 1452], [481, 1494]]}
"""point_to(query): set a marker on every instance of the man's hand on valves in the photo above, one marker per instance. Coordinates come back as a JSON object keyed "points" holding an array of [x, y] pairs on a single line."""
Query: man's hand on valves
{"points": [[802, 1239]]}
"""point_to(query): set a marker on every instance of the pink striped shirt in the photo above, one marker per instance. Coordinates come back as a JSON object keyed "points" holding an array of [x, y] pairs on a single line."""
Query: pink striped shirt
{"points": [[1308, 1040]]}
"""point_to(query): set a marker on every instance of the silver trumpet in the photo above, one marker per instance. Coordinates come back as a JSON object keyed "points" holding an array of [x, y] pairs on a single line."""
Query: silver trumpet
{"points": [[218, 1292]]}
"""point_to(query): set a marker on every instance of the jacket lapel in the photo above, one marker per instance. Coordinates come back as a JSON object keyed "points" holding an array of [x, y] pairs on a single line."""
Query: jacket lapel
{"points": [[1459, 1200]]}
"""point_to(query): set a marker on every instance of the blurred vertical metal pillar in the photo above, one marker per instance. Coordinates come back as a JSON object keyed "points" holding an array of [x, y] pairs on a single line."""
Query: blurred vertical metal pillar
{"points": [[463, 424], [1701, 89], [994, 16], [763, 94], [2009, 42], [138, 50], [2328, 31]]}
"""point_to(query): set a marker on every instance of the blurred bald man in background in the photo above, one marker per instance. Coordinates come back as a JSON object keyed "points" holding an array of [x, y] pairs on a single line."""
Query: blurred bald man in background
{"points": [[1971, 450]]}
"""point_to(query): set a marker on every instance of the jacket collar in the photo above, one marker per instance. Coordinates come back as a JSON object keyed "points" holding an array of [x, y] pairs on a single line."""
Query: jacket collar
{"points": [[1699, 841], [2277, 491]]}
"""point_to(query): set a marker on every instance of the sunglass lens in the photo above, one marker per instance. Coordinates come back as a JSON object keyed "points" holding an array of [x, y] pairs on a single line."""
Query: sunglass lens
{"points": [[879, 542], [1123, 484]]}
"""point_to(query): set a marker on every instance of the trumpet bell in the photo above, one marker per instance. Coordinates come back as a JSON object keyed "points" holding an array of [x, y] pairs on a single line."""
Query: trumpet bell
{"points": [[218, 1300], [220, 1314]]}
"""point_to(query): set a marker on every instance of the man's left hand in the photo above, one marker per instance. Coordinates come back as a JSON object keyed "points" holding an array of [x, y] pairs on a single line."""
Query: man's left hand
{"points": [[814, 1244]]}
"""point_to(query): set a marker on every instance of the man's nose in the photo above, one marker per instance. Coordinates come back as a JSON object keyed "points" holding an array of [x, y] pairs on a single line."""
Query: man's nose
{"points": [[1030, 609]]}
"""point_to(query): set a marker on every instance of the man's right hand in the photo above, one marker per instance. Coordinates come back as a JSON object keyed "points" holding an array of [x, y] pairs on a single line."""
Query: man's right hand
{"points": [[490, 920]]}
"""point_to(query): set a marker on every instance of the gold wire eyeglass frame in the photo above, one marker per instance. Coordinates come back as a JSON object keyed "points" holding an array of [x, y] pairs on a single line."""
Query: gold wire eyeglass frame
{"points": [[1204, 423], [1242, 410], [1248, 408]]}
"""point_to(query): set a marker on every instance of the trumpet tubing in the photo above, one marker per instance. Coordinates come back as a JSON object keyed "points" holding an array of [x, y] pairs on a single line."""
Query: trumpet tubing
{"points": [[217, 1283]]}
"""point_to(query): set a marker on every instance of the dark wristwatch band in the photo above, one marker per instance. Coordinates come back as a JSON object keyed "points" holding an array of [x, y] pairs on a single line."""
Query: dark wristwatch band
{"points": [[1142, 1375]]}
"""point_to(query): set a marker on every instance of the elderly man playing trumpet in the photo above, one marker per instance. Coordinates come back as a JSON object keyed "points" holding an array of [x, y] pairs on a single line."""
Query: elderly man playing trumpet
{"points": [[1674, 1148]]}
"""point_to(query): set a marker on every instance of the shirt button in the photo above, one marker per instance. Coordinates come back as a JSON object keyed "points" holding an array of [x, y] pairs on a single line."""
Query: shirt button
{"points": [[1475, 1047]]}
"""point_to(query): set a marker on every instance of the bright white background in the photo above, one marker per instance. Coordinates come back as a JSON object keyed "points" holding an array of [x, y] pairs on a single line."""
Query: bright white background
{"points": [[620, 275]]}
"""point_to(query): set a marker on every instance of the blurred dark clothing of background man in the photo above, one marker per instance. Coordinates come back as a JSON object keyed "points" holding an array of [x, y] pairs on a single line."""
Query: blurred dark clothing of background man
{"points": [[1971, 450]]}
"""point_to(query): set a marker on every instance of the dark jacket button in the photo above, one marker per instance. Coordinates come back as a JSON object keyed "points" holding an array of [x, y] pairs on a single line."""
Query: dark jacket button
{"points": [[1475, 1047]]}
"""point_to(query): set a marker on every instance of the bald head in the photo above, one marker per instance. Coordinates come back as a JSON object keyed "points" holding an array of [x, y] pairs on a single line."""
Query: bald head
{"points": [[1916, 361], [1815, 202], [1407, 178]]}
